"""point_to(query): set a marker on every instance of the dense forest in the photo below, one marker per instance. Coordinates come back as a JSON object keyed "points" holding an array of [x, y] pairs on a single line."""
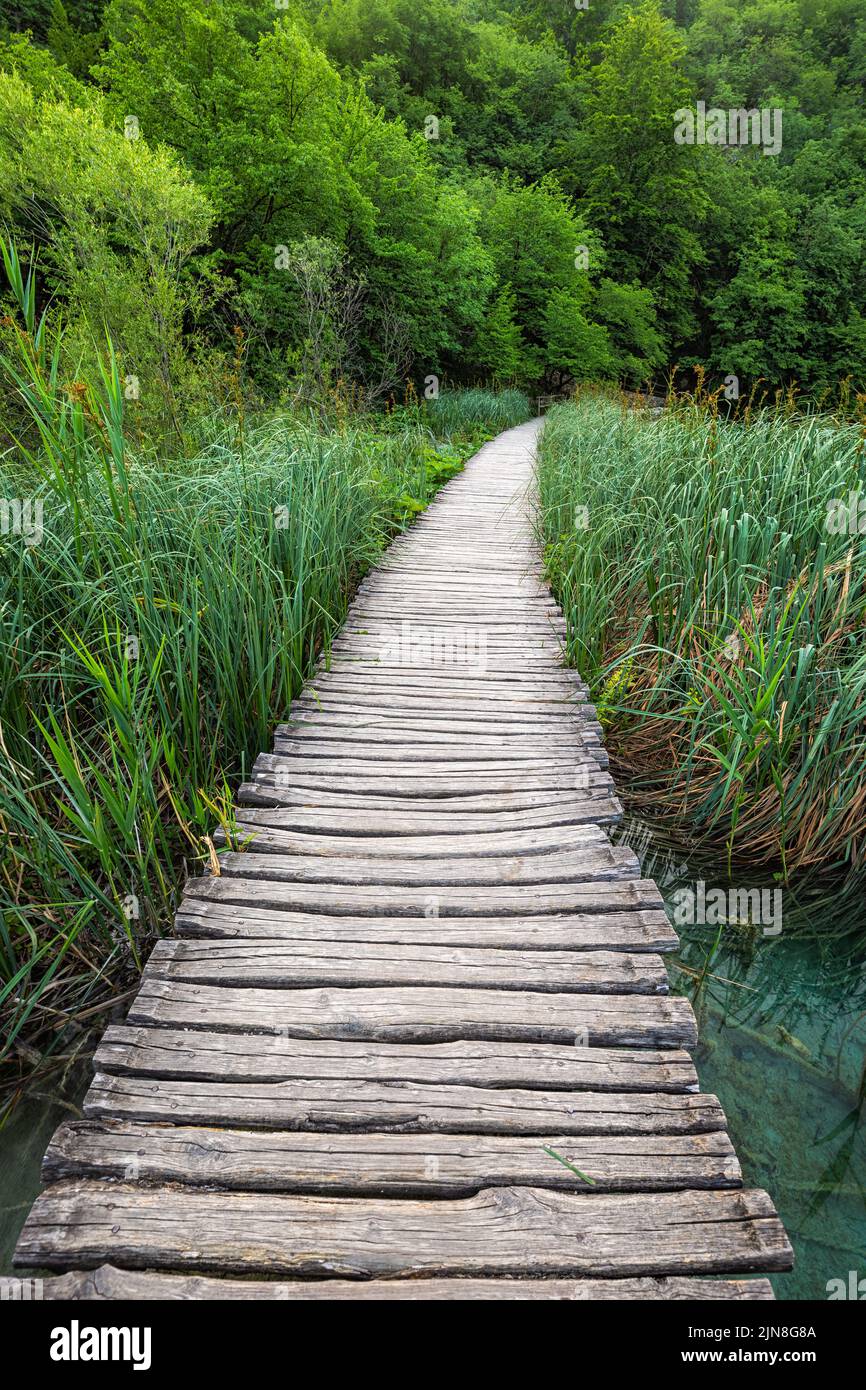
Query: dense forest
{"points": [[314, 197]]}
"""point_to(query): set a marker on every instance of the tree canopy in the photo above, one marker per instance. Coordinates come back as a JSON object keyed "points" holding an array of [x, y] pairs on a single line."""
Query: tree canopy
{"points": [[495, 187]]}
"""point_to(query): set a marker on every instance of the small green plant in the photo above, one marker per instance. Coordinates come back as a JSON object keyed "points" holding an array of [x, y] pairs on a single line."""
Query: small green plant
{"points": [[570, 1166]]}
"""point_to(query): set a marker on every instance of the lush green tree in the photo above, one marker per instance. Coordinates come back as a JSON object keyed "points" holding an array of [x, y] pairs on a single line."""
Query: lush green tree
{"points": [[629, 316], [73, 46], [575, 348], [522, 104], [499, 98], [114, 223], [287, 149], [534, 237], [41, 72], [499, 347], [641, 189]]}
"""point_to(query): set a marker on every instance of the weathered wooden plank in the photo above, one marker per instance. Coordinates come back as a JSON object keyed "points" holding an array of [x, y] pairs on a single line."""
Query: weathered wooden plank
{"points": [[444, 656], [430, 778], [484, 773], [513, 674], [446, 651], [206, 1056], [344, 721], [108, 1283], [264, 829], [393, 1165], [526, 634], [421, 1014], [402, 595], [356, 678], [598, 862], [610, 931], [404, 711], [444, 900], [514, 703], [440, 750], [535, 687], [293, 964], [418, 684], [402, 755], [395, 581], [517, 679], [549, 801], [425, 784], [501, 666], [403, 1107], [437, 549], [527, 615], [386, 634], [459, 813], [500, 1231], [310, 730]]}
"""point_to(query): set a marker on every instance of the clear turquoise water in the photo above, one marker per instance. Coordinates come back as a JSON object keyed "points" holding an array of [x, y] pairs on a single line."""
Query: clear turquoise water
{"points": [[783, 1045]]}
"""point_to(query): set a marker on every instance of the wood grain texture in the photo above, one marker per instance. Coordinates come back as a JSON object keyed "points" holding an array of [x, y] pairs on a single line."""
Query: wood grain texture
{"points": [[610, 931], [431, 781], [288, 965], [598, 862], [382, 1164], [404, 1107], [214, 1056], [350, 818], [444, 900], [503, 844], [514, 1231], [108, 1283], [421, 1015]]}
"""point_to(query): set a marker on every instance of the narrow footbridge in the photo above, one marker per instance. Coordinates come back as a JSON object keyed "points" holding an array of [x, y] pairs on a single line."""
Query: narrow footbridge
{"points": [[415, 1040]]}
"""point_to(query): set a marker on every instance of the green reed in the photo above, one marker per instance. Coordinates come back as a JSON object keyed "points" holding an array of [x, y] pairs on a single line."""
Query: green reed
{"points": [[718, 616]]}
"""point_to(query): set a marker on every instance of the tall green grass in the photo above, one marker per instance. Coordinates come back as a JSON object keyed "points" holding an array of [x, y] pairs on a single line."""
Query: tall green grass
{"points": [[720, 620], [150, 639], [455, 412]]}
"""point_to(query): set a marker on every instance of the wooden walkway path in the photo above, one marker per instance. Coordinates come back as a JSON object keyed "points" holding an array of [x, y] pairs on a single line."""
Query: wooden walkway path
{"points": [[351, 1072]]}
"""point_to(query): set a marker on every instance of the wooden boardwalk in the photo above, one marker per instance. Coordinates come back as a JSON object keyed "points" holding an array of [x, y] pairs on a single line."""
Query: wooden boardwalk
{"points": [[428, 979]]}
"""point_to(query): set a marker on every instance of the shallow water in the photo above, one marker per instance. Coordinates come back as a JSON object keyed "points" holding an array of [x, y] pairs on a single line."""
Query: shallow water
{"points": [[23, 1140], [783, 1045]]}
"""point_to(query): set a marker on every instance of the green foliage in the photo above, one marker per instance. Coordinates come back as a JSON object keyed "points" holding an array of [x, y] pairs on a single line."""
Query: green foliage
{"points": [[298, 215], [115, 222], [458, 155], [459, 412], [286, 149], [640, 188], [716, 606], [499, 345]]}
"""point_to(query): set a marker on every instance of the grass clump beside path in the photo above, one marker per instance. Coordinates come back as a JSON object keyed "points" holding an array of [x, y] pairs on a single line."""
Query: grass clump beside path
{"points": [[713, 577], [455, 411]]}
